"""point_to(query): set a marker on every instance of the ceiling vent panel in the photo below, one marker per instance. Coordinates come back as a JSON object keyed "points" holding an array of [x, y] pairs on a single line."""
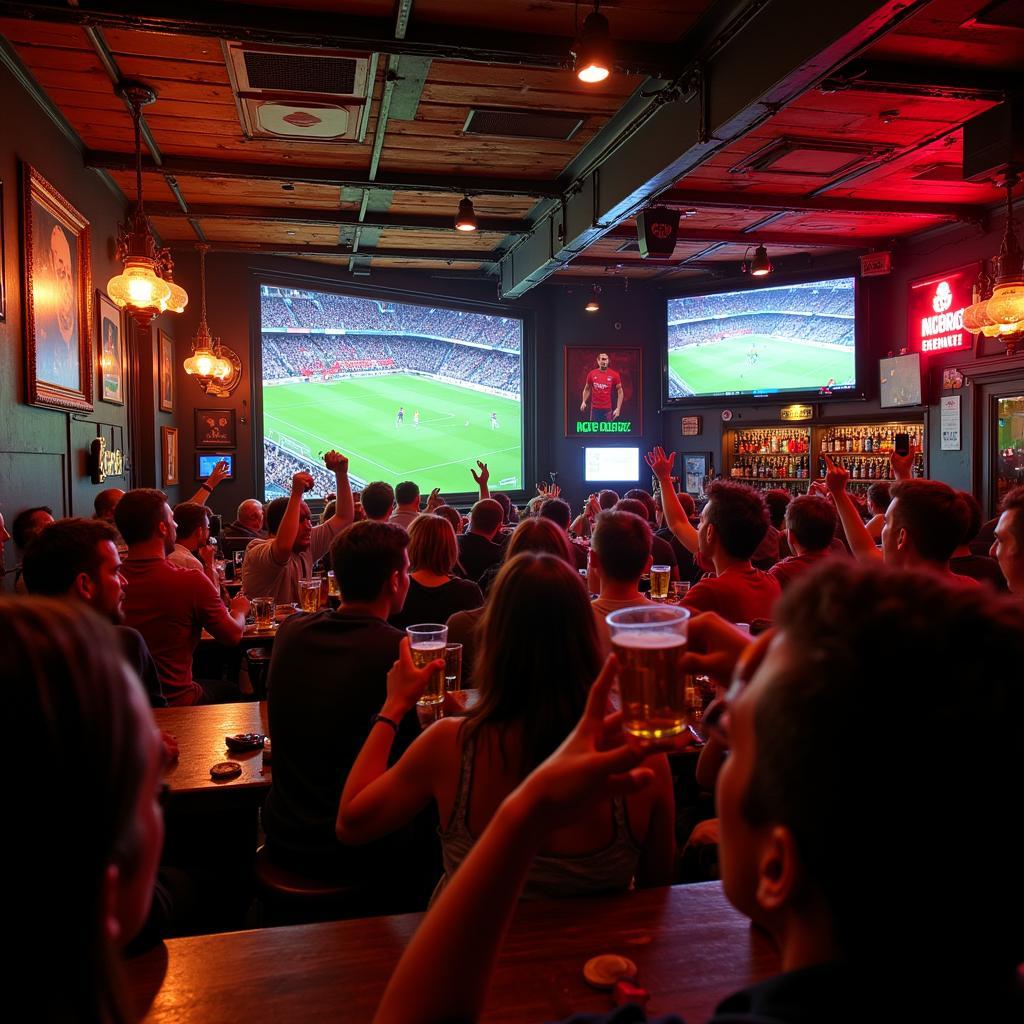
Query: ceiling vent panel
{"points": [[816, 158], [312, 95], [940, 172], [523, 124]]}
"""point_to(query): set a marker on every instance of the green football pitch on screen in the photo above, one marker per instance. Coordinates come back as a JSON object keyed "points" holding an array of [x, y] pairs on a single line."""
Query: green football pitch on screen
{"points": [[725, 365], [359, 417]]}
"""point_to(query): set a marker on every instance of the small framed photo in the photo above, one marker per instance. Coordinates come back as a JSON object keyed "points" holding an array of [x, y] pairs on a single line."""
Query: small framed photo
{"points": [[57, 297], [111, 350], [696, 468], [169, 455], [215, 428], [165, 366]]}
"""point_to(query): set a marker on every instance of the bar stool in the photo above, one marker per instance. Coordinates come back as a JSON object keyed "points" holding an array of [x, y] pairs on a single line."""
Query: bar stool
{"points": [[257, 663], [290, 898]]}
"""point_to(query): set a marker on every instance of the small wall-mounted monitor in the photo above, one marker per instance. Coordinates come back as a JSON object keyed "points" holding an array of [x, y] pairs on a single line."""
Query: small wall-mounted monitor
{"points": [[899, 381], [611, 465], [205, 461]]}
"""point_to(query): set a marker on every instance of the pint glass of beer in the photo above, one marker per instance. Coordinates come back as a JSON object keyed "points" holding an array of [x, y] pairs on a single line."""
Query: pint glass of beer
{"points": [[262, 609], [309, 595], [650, 642], [427, 642], [660, 576]]}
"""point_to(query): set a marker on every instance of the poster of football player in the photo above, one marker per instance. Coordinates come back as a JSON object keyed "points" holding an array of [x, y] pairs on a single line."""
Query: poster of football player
{"points": [[603, 391]]}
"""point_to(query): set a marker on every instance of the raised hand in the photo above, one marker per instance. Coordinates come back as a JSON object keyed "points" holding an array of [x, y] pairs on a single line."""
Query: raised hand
{"points": [[207, 554], [301, 483], [661, 464], [903, 465], [406, 682], [483, 476], [435, 500], [336, 462], [836, 475], [220, 472], [593, 505]]}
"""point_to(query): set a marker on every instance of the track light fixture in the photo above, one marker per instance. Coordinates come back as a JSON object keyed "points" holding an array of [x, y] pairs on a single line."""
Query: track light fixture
{"points": [[760, 265], [593, 305], [593, 48], [465, 219]]}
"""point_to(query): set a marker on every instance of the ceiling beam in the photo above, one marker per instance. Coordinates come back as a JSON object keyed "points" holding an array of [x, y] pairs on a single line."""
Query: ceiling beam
{"points": [[936, 80], [343, 253], [740, 200], [340, 218], [337, 30], [738, 84], [194, 167], [754, 236]]}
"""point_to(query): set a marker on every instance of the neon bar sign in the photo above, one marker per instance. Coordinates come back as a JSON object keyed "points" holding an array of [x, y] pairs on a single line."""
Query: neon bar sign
{"points": [[935, 311]]}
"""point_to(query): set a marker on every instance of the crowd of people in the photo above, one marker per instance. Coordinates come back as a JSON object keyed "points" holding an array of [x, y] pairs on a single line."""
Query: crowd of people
{"points": [[830, 330], [320, 311], [822, 638], [331, 356], [824, 298]]}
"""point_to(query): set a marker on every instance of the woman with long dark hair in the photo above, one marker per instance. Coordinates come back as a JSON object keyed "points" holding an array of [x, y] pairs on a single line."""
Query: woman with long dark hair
{"points": [[537, 658], [85, 822]]}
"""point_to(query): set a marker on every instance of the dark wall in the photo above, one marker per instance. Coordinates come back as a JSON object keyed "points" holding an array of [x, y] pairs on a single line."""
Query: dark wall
{"points": [[43, 451], [626, 319]]}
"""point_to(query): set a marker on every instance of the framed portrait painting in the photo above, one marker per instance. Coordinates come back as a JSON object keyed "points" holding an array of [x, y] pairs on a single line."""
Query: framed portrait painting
{"points": [[169, 455], [58, 297], [165, 371], [111, 350], [215, 428], [603, 392]]}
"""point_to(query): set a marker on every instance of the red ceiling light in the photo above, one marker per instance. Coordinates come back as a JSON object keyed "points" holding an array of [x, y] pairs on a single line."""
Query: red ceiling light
{"points": [[592, 50], [760, 265]]}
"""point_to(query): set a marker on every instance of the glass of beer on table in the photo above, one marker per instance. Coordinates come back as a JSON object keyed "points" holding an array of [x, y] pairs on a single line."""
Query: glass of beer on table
{"points": [[660, 576], [649, 643], [309, 594], [428, 641], [262, 609], [453, 666]]}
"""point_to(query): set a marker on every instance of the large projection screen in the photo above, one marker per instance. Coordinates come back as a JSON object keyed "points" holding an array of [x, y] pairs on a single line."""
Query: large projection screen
{"points": [[408, 392]]}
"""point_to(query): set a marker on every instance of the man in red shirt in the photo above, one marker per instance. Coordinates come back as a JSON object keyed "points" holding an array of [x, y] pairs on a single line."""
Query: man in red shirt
{"points": [[168, 605], [598, 392], [811, 525], [733, 523]]}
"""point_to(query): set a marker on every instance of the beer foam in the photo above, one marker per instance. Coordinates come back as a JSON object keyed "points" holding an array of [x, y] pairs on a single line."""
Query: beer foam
{"points": [[429, 646], [660, 640]]}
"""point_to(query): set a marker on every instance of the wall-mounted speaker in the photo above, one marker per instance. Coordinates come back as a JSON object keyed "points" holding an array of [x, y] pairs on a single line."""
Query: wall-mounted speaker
{"points": [[657, 230]]}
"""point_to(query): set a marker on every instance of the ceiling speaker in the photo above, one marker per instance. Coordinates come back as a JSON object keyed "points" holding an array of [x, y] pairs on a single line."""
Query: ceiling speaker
{"points": [[656, 232]]}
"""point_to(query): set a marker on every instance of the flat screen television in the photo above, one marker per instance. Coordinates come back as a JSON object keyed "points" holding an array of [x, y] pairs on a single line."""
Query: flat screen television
{"points": [[407, 391], [790, 340], [899, 380], [611, 465]]}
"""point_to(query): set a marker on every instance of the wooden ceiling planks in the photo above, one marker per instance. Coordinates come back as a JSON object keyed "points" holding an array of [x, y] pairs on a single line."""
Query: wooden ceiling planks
{"points": [[196, 116]]}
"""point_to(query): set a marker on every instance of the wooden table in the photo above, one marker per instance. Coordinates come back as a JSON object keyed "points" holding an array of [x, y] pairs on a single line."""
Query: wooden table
{"points": [[251, 636], [200, 732], [691, 947]]}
